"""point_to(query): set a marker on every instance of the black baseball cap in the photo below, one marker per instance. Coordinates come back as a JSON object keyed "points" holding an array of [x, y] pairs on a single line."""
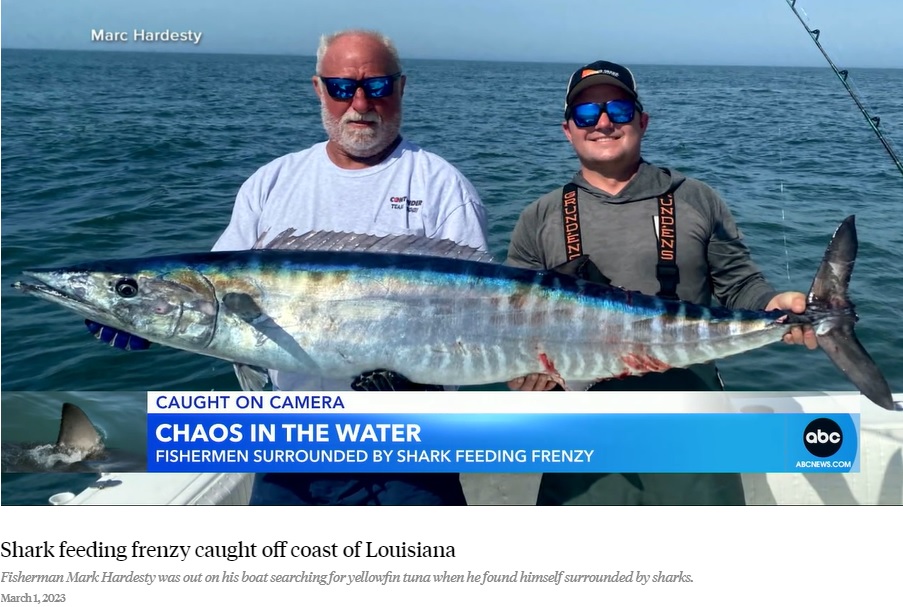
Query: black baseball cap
{"points": [[601, 72]]}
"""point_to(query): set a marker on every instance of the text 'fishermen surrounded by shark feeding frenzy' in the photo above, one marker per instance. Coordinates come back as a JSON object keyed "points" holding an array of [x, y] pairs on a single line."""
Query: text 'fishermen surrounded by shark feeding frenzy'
{"points": [[338, 305]]}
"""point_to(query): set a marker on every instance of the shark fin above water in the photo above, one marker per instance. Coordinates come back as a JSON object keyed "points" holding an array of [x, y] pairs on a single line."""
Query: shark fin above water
{"points": [[77, 432]]}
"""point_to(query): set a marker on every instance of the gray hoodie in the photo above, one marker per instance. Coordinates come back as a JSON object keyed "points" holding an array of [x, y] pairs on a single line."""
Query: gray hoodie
{"points": [[619, 235]]}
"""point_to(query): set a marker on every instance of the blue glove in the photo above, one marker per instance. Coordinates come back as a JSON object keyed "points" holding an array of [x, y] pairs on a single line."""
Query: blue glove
{"points": [[116, 338]]}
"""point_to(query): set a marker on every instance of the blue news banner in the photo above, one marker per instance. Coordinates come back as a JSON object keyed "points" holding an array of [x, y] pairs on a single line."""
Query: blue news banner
{"points": [[494, 432]]}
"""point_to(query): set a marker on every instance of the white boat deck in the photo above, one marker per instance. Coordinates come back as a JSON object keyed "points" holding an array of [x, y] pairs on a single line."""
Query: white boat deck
{"points": [[173, 489], [880, 480]]}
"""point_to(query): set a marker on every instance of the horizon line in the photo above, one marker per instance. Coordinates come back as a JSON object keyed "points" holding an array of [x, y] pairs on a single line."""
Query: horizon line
{"points": [[313, 56]]}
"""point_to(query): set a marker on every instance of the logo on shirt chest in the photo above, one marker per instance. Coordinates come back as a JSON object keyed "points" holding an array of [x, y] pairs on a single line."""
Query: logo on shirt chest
{"points": [[403, 202]]}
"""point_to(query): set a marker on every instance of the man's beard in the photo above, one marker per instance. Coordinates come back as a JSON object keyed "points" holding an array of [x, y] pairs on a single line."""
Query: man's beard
{"points": [[357, 141]]}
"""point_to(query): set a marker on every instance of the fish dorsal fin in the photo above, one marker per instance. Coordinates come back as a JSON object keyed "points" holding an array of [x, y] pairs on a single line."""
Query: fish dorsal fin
{"points": [[76, 430], [366, 243]]}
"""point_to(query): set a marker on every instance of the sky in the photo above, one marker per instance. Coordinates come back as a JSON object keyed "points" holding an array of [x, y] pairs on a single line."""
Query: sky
{"points": [[855, 33]]}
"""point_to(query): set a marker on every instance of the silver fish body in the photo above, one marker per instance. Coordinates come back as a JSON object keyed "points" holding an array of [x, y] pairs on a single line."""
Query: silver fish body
{"points": [[437, 320]]}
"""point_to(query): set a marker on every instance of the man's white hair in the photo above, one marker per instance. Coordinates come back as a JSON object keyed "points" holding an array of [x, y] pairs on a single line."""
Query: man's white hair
{"points": [[327, 39]]}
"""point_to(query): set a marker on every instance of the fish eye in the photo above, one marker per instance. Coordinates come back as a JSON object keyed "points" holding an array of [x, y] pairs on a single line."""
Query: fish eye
{"points": [[126, 287]]}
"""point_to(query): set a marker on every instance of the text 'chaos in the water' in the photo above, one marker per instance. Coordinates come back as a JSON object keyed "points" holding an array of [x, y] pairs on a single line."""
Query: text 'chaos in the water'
{"points": [[290, 432]]}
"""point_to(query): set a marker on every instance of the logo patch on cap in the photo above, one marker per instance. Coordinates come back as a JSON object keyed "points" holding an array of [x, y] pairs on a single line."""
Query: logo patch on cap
{"points": [[622, 77]]}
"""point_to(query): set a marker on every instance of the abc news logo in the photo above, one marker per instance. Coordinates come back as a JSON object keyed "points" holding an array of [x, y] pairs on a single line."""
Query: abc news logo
{"points": [[823, 437]]}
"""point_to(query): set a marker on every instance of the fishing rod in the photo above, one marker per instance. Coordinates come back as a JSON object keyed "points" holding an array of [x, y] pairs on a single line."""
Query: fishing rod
{"points": [[874, 121]]}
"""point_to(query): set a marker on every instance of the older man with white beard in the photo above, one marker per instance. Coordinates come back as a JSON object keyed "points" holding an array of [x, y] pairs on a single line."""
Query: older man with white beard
{"points": [[365, 179]]}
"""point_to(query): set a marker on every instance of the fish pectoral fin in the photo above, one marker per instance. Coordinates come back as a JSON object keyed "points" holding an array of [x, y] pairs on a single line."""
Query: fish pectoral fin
{"points": [[250, 377], [244, 306]]}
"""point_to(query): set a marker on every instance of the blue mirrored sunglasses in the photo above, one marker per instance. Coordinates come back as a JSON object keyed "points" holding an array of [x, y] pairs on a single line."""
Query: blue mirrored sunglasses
{"points": [[620, 111], [343, 89]]}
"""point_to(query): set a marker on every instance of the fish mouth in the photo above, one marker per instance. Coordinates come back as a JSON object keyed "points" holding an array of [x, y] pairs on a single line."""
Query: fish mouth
{"points": [[41, 286]]}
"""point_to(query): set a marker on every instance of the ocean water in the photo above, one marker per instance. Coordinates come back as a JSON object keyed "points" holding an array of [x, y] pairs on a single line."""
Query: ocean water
{"points": [[110, 155]]}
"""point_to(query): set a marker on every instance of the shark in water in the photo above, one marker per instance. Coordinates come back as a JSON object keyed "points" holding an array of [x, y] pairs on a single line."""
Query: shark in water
{"points": [[79, 447]]}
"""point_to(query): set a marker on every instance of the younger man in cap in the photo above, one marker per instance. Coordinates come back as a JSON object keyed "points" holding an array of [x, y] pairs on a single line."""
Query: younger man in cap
{"points": [[622, 206]]}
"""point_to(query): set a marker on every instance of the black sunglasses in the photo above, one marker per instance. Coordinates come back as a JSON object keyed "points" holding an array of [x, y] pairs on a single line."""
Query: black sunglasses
{"points": [[377, 87], [620, 111]]}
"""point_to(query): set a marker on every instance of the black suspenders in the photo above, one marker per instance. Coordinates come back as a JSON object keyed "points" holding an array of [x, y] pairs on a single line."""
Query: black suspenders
{"points": [[573, 244], [665, 270]]}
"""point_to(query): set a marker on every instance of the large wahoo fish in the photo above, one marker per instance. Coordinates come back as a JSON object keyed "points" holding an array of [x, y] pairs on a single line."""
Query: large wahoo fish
{"points": [[338, 305]]}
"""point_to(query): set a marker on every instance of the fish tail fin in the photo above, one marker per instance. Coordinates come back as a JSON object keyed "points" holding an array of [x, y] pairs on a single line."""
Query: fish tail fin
{"points": [[834, 332]]}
